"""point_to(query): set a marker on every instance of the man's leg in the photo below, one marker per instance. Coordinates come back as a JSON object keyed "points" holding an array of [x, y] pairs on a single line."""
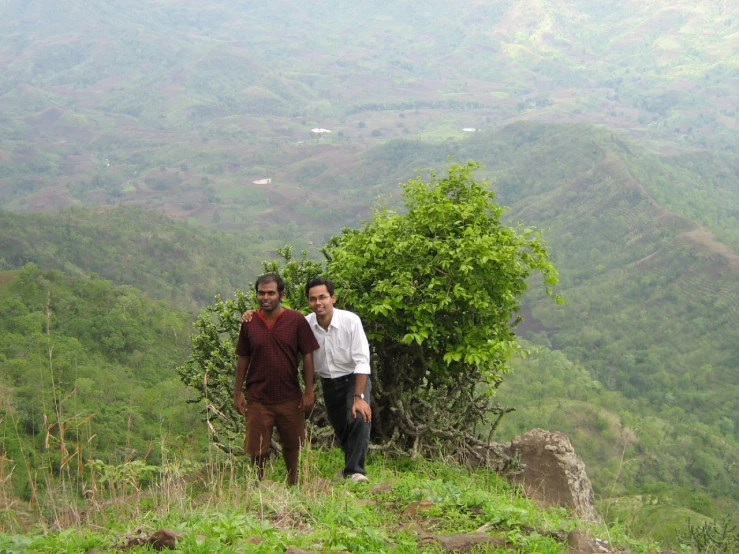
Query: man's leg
{"points": [[259, 424], [353, 432], [290, 421], [291, 458], [357, 435]]}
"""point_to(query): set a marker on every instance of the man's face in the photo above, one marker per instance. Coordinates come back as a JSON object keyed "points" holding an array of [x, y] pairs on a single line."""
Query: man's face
{"points": [[268, 297], [320, 301]]}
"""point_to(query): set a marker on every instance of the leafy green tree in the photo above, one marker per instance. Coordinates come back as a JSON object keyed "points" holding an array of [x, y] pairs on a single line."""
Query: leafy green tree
{"points": [[437, 287]]}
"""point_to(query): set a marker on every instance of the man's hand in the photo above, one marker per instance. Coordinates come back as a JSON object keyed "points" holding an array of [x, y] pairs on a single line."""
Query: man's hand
{"points": [[247, 315], [306, 403], [240, 403], [361, 407]]}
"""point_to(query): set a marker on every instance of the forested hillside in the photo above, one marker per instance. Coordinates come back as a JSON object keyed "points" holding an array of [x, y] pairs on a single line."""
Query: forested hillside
{"points": [[168, 259], [653, 297], [87, 372]]}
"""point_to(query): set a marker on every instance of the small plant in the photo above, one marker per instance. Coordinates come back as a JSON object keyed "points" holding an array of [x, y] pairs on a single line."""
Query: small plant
{"points": [[197, 544], [712, 537]]}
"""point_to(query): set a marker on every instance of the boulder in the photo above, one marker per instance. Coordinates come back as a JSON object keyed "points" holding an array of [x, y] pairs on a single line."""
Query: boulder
{"points": [[552, 473]]}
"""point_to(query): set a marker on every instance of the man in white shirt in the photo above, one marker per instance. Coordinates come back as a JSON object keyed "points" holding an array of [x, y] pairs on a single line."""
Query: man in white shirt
{"points": [[343, 364]]}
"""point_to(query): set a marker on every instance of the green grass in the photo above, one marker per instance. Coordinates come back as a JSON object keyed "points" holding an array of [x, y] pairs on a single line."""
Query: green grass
{"points": [[221, 508], [664, 521]]}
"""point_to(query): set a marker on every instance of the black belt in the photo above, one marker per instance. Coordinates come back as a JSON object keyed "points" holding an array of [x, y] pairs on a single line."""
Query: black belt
{"points": [[341, 379]]}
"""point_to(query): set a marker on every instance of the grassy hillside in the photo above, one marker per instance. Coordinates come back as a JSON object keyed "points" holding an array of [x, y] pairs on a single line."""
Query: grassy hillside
{"points": [[410, 506]]}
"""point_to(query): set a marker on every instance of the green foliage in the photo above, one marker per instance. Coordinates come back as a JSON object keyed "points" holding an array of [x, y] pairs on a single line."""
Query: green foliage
{"points": [[716, 537], [437, 287], [125, 478], [85, 372], [210, 369]]}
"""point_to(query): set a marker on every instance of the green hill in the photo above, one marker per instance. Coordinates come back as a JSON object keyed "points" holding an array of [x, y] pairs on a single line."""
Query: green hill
{"points": [[170, 260], [650, 470], [86, 372]]}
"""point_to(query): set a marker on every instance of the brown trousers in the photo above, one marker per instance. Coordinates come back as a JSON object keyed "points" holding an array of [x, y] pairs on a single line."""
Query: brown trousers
{"points": [[261, 419]]}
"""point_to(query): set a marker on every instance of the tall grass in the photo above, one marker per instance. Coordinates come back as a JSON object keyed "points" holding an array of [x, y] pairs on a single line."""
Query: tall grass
{"points": [[219, 506]]}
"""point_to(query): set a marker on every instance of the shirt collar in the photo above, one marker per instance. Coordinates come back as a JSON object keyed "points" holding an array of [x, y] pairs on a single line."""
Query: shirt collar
{"points": [[334, 321], [270, 325]]}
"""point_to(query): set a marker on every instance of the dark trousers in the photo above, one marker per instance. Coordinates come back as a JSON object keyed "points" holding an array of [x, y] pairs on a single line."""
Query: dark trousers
{"points": [[353, 432]]}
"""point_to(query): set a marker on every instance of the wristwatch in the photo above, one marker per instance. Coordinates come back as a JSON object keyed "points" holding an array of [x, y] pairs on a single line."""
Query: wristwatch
{"points": [[359, 395]]}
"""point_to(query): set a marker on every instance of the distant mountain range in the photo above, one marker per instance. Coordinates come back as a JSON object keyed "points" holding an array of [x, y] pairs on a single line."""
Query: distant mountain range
{"points": [[183, 106]]}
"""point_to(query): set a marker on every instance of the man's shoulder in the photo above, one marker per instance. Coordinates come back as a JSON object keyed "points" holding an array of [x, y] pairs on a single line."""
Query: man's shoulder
{"points": [[347, 316]]}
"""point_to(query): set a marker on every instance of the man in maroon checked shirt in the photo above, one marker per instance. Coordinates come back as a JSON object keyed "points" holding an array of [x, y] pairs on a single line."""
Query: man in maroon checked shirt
{"points": [[268, 348]]}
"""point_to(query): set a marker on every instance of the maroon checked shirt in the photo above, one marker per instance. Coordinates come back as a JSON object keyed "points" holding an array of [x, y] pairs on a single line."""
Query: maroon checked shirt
{"points": [[274, 354]]}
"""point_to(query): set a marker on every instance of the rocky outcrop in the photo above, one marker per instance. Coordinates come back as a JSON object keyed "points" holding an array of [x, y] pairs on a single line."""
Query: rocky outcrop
{"points": [[552, 473]]}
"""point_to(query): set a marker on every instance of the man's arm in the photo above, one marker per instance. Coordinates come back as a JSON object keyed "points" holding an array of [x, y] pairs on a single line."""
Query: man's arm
{"points": [[361, 358], [360, 405], [306, 403], [239, 400], [359, 349]]}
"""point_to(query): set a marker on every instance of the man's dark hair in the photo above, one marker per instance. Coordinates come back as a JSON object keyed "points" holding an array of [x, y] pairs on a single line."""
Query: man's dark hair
{"points": [[270, 278], [317, 282]]}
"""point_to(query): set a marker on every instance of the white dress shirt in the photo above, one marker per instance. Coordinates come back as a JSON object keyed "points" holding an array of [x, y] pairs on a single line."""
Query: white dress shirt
{"points": [[344, 347]]}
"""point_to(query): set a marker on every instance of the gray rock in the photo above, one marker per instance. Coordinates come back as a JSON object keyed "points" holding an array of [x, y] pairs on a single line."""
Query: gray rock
{"points": [[552, 473]]}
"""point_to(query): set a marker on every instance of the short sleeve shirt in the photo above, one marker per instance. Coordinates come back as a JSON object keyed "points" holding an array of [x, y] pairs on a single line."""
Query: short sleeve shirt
{"points": [[274, 354]]}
